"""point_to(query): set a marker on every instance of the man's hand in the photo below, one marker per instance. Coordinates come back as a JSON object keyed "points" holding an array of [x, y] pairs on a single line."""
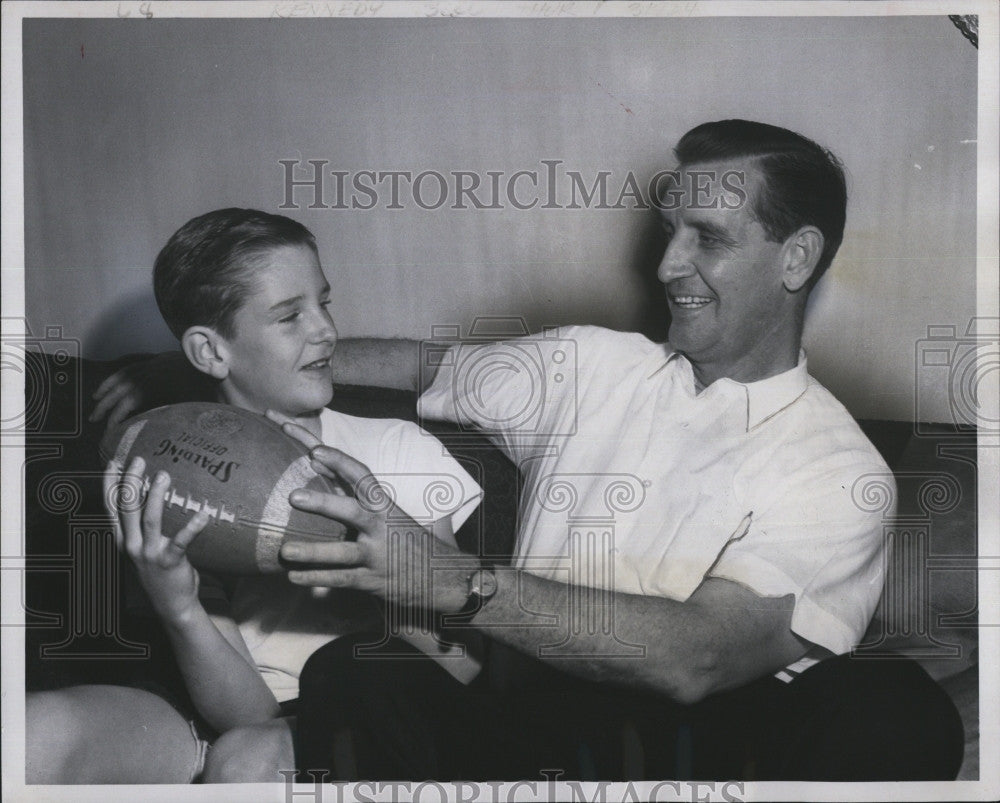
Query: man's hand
{"points": [[161, 562], [392, 557], [153, 381]]}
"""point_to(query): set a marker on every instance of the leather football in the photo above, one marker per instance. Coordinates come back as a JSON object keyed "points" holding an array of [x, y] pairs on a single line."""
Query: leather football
{"points": [[238, 464]]}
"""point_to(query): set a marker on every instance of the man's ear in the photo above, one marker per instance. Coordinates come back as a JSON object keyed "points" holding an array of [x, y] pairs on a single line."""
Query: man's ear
{"points": [[802, 252], [206, 350]]}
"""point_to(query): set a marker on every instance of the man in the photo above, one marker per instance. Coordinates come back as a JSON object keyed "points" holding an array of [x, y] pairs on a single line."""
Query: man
{"points": [[690, 573]]}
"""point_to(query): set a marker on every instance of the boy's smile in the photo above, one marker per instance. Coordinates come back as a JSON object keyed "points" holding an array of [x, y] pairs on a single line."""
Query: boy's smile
{"points": [[279, 356]]}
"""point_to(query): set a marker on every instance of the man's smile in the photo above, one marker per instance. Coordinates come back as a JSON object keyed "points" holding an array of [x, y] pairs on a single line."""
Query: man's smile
{"points": [[690, 302]]}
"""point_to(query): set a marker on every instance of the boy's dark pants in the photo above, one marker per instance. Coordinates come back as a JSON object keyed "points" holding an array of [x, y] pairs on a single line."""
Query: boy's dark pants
{"points": [[392, 718]]}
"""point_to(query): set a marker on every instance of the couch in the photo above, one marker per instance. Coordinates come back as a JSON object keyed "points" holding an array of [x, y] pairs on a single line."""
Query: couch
{"points": [[87, 619]]}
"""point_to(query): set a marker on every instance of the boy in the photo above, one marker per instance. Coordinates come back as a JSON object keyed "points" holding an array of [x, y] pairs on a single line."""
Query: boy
{"points": [[245, 294]]}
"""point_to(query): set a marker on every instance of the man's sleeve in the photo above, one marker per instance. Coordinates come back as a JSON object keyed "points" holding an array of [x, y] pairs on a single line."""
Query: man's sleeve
{"points": [[521, 393], [814, 540]]}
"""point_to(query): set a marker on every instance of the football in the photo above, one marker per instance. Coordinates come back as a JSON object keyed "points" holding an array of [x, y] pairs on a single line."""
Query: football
{"points": [[240, 465]]}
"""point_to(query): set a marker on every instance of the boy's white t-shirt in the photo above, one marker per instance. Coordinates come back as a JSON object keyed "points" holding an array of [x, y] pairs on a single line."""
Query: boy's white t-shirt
{"points": [[283, 624]]}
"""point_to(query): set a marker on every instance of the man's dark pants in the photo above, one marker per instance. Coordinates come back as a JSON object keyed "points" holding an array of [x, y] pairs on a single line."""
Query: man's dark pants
{"points": [[396, 718]]}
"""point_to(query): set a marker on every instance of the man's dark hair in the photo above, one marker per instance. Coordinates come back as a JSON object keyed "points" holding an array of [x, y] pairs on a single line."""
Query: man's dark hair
{"points": [[204, 273], [803, 182]]}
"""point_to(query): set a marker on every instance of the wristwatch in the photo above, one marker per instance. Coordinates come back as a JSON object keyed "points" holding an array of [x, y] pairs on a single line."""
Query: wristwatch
{"points": [[482, 585]]}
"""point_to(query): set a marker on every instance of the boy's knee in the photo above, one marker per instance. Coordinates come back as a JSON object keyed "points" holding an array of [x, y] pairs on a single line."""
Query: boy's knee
{"points": [[252, 754], [106, 734], [53, 733]]}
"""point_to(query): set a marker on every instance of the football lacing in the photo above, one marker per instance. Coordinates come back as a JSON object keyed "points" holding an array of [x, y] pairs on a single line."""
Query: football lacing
{"points": [[172, 498]]}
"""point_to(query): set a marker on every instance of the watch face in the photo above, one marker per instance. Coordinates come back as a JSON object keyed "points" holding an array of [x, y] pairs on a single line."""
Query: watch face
{"points": [[484, 583]]}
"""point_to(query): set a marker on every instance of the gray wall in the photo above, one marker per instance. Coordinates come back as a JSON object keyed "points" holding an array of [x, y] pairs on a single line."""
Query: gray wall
{"points": [[134, 126]]}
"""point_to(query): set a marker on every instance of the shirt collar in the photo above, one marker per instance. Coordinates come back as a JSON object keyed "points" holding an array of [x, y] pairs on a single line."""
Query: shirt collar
{"points": [[764, 398], [769, 396]]}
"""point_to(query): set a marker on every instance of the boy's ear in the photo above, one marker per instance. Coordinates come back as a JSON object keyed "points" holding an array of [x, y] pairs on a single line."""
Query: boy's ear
{"points": [[803, 250], [206, 350]]}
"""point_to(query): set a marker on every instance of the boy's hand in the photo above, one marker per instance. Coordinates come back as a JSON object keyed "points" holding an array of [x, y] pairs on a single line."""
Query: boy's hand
{"points": [[161, 562], [392, 557], [150, 381]]}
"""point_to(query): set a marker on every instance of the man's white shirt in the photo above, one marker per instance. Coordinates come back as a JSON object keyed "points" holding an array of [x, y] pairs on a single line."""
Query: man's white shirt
{"points": [[635, 482]]}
